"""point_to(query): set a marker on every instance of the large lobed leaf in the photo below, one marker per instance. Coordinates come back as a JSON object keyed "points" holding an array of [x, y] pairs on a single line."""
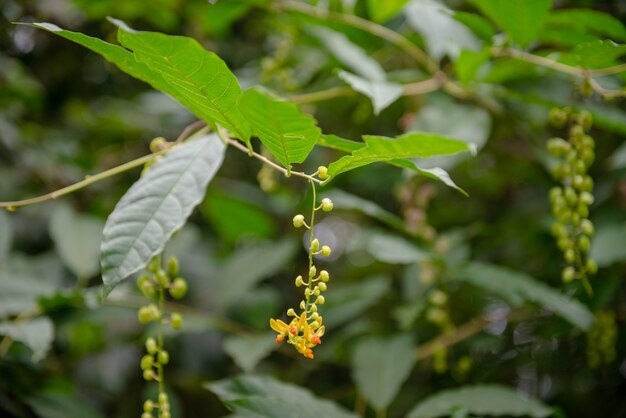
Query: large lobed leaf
{"points": [[176, 65], [517, 287], [264, 397], [412, 145], [156, 206], [480, 400], [286, 131]]}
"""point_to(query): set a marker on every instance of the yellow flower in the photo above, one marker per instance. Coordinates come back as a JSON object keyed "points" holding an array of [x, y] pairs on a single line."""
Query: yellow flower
{"points": [[299, 333]]}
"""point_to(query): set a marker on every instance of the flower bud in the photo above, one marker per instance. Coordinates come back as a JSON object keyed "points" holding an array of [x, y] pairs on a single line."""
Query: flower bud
{"points": [[437, 297], [291, 312], [570, 256], [584, 243], [176, 320], [146, 415], [153, 265], [315, 245], [313, 309], [148, 374], [146, 362], [324, 276], [327, 205], [157, 144], [592, 266], [178, 289], [148, 406], [326, 250], [148, 289], [322, 172], [558, 117], [172, 266], [298, 221], [322, 286], [162, 278], [312, 271], [587, 227], [164, 357], [299, 281], [568, 274], [151, 346], [163, 400], [320, 300], [144, 315]]}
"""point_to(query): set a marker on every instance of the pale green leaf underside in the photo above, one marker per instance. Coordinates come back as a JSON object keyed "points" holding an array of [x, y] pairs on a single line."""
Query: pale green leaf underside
{"points": [[480, 400], [37, 334], [412, 145], [286, 131], [379, 367], [6, 236], [157, 205], [517, 288], [264, 397], [176, 65], [382, 93]]}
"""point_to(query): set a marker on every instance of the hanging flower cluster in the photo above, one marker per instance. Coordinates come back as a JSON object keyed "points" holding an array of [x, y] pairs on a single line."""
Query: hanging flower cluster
{"points": [[306, 328]]}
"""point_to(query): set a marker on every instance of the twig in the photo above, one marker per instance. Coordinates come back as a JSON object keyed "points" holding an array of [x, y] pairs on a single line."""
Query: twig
{"points": [[234, 143], [89, 180]]}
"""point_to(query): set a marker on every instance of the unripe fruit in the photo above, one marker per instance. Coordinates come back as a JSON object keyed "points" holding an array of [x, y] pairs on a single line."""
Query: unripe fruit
{"points": [[571, 196], [178, 289], [163, 400], [322, 172], [576, 132], [557, 146], [153, 265], [298, 221], [144, 315], [327, 205]]}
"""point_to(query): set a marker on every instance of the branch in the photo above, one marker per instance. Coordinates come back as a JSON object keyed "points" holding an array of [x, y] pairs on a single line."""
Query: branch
{"points": [[234, 143], [89, 180]]}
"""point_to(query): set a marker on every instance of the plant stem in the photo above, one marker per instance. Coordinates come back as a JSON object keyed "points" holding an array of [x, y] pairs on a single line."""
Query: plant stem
{"points": [[160, 344], [311, 229]]}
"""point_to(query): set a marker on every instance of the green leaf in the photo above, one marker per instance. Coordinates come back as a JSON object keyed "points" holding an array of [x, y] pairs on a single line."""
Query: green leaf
{"points": [[480, 400], [468, 64], [198, 78], [347, 201], [443, 34], [235, 218], [248, 266], [517, 287], [178, 66], [345, 302], [478, 24], [19, 292], [339, 144], [381, 11], [380, 365], [37, 334], [6, 236], [156, 206], [61, 405], [286, 131], [77, 239], [608, 246], [521, 19], [393, 249], [442, 115], [381, 93], [564, 37], [349, 54], [264, 397], [596, 54], [411, 145], [586, 20], [248, 350]]}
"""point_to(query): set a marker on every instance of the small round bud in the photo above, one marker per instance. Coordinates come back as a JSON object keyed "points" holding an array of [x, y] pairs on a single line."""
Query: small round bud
{"points": [[153, 265], [151, 346], [178, 289], [162, 278], [313, 309], [315, 315], [166, 414], [592, 266], [322, 286], [437, 297], [142, 279], [588, 156], [146, 415], [298, 221], [322, 172], [558, 117], [148, 374], [587, 184], [324, 276], [586, 198], [144, 315], [571, 196], [312, 271], [314, 324], [291, 312], [148, 406], [576, 132], [157, 144], [163, 399], [164, 357], [316, 291], [585, 119], [327, 205], [176, 320], [302, 304], [307, 292], [148, 289], [586, 226], [320, 300], [299, 281], [568, 274], [436, 315], [584, 243], [570, 256], [146, 362], [315, 245], [326, 250], [557, 146], [172, 266]]}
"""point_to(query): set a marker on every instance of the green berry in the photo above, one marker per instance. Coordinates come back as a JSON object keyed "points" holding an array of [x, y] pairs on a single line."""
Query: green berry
{"points": [[144, 315], [163, 399], [571, 196], [576, 132], [178, 289], [153, 265], [557, 146], [157, 144], [148, 289]]}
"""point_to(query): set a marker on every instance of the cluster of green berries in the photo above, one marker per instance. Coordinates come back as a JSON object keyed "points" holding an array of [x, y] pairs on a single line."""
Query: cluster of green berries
{"points": [[601, 340], [154, 285], [571, 199]]}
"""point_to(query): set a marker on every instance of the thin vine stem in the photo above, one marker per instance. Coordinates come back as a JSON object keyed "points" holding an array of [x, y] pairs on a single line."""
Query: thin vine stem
{"points": [[160, 342], [311, 229]]}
